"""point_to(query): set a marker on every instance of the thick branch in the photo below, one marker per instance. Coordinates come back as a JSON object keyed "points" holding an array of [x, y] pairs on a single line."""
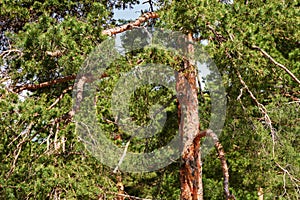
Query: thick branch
{"points": [[44, 84], [33, 87], [221, 153], [145, 17], [277, 63]]}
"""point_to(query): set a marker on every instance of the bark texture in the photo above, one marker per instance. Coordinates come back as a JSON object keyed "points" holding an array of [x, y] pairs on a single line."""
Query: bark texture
{"points": [[145, 17], [190, 171]]}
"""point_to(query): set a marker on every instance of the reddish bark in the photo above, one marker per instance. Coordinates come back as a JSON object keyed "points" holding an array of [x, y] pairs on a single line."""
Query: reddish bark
{"points": [[33, 87], [145, 17], [44, 84], [221, 154], [190, 171]]}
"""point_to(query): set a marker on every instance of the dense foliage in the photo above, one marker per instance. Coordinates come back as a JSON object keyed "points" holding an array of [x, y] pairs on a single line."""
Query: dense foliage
{"points": [[253, 44]]}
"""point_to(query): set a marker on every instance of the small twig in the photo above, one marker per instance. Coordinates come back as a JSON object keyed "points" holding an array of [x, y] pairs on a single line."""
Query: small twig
{"points": [[293, 102], [277, 63], [122, 157], [241, 93], [56, 53], [284, 184]]}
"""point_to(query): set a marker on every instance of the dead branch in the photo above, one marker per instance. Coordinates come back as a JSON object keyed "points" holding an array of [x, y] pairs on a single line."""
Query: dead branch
{"points": [[221, 154], [150, 4], [6, 53], [219, 37], [277, 63], [18, 149], [145, 17], [60, 97], [261, 108], [294, 180], [122, 157], [56, 53]]}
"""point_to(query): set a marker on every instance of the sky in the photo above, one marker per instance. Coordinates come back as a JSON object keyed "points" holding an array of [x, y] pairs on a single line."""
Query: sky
{"points": [[130, 14]]}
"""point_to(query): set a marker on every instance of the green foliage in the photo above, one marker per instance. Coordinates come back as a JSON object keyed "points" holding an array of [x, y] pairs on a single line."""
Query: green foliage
{"points": [[42, 156]]}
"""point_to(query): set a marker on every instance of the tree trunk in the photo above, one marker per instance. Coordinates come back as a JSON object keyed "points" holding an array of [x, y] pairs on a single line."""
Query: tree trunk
{"points": [[190, 171]]}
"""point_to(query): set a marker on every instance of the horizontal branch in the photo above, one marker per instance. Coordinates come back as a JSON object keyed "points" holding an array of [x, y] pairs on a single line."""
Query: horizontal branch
{"points": [[56, 53], [277, 63], [145, 17], [44, 84]]}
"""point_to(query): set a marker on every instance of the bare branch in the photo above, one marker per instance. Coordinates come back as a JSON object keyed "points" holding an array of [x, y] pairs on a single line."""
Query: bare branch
{"points": [[219, 37], [122, 157], [145, 17], [277, 63], [56, 53], [18, 149], [60, 97], [261, 108], [150, 4], [286, 171], [6, 53], [294, 180]]}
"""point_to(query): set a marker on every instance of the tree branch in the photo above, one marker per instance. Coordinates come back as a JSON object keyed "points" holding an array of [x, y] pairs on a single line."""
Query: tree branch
{"points": [[277, 63], [122, 157], [60, 97], [6, 53], [18, 149], [221, 153], [56, 53], [261, 108], [44, 84], [145, 17], [128, 196]]}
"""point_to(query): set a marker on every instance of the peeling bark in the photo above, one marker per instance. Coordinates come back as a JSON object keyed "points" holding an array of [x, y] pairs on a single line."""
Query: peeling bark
{"points": [[190, 171]]}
